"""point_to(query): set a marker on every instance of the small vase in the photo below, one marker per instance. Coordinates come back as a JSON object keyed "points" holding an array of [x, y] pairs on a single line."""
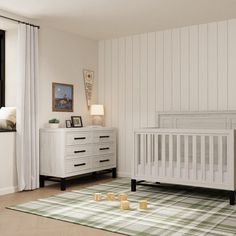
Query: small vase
{"points": [[54, 125]]}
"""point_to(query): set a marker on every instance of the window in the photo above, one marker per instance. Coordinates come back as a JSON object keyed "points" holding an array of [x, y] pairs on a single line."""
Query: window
{"points": [[2, 68]]}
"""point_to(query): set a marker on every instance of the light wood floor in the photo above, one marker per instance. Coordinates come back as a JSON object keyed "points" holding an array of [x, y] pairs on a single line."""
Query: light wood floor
{"points": [[14, 223]]}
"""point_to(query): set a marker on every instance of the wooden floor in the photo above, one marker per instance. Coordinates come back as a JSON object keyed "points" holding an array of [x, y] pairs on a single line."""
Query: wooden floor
{"points": [[14, 223]]}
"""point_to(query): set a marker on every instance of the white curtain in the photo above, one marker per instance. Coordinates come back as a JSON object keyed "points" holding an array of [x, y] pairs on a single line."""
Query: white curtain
{"points": [[27, 138]]}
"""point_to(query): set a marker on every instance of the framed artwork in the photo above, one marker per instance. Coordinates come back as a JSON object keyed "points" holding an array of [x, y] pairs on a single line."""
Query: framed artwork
{"points": [[76, 121], [88, 84], [62, 97], [68, 124]]}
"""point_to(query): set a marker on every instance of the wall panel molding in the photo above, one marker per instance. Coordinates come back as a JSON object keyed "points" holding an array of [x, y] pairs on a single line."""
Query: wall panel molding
{"points": [[184, 69]]}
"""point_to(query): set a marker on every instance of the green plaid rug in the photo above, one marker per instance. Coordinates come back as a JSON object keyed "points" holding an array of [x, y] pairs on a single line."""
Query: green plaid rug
{"points": [[172, 210]]}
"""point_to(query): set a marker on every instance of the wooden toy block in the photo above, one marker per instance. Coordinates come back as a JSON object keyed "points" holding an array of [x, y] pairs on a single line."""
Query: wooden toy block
{"points": [[123, 197], [97, 196], [143, 204], [124, 205], [110, 196]]}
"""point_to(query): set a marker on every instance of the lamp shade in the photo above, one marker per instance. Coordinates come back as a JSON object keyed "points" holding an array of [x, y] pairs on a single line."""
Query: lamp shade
{"points": [[97, 110]]}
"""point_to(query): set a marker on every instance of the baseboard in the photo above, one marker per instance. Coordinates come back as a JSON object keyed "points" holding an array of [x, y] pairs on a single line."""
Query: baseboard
{"points": [[8, 190], [123, 174]]}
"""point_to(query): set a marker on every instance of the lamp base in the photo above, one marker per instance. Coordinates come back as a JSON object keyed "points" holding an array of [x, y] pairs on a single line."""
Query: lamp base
{"points": [[97, 121]]}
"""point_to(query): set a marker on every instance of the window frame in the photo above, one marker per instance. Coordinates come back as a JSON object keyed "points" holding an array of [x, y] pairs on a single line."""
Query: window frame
{"points": [[2, 68]]}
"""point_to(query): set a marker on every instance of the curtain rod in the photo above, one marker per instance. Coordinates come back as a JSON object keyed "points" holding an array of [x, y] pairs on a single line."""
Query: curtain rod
{"points": [[18, 21]]}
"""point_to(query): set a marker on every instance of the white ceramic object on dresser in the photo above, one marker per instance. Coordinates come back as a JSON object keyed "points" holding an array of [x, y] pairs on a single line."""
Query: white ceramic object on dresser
{"points": [[196, 149], [68, 152]]}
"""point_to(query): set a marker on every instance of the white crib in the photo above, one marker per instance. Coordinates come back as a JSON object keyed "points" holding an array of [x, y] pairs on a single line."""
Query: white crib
{"points": [[176, 154]]}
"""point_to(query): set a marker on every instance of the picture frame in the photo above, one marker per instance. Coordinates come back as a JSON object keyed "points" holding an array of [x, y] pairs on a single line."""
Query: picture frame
{"points": [[62, 97], [68, 124], [76, 121]]}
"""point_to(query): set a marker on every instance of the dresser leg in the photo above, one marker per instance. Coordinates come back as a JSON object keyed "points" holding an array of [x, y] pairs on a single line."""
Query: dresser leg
{"points": [[232, 197], [41, 181], [114, 175], [133, 185], [63, 184], [94, 174]]}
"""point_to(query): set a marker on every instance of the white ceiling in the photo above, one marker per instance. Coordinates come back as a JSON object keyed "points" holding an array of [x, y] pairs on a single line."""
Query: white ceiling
{"points": [[101, 19]]}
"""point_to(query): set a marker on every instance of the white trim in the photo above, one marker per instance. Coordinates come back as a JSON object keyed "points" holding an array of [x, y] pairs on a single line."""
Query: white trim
{"points": [[8, 190]]}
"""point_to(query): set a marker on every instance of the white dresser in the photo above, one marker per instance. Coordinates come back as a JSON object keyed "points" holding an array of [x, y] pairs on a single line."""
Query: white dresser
{"points": [[67, 152]]}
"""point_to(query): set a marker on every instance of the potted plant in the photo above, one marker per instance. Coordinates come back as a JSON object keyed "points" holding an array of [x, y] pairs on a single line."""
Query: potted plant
{"points": [[54, 123]]}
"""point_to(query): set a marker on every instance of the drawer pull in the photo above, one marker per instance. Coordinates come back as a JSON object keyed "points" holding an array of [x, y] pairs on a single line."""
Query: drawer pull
{"points": [[106, 148], [79, 138], [80, 151], [104, 160], [104, 136], [82, 164]]}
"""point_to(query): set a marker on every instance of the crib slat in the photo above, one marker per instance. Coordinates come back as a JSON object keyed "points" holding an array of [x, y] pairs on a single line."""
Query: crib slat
{"points": [[211, 158], [153, 146], [203, 162], [156, 155], [143, 155], [178, 156], [151, 153], [220, 159], [194, 150], [148, 155], [186, 164], [140, 153], [163, 154], [136, 154], [152, 165], [230, 161], [171, 154], [231, 158]]}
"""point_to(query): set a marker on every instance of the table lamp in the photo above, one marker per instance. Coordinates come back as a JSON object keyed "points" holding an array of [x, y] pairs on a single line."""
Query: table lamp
{"points": [[97, 111]]}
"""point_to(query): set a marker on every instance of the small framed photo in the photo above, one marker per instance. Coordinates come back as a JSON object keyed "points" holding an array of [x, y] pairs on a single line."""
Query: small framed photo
{"points": [[68, 124], [76, 121]]}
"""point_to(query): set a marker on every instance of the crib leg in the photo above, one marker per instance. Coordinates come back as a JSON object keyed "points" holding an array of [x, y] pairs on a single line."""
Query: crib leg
{"points": [[133, 185], [232, 197]]}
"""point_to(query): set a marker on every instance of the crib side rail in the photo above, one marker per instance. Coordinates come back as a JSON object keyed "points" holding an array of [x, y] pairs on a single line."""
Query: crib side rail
{"points": [[204, 158]]}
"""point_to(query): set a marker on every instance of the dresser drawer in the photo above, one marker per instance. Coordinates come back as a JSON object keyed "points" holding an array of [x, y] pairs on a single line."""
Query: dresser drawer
{"points": [[79, 150], [103, 148], [103, 161], [102, 137], [78, 164], [78, 138]]}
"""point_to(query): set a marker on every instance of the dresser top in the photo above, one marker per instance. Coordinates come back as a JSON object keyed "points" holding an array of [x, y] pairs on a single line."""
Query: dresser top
{"points": [[88, 128]]}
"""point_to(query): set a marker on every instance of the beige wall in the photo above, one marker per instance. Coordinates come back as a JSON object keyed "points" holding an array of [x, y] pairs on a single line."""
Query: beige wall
{"points": [[62, 58]]}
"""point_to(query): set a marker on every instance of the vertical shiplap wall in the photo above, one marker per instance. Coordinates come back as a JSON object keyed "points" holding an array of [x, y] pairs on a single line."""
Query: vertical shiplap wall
{"points": [[185, 69]]}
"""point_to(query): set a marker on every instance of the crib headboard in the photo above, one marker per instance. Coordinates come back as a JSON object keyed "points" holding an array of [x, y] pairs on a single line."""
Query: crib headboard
{"points": [[197, 120]]}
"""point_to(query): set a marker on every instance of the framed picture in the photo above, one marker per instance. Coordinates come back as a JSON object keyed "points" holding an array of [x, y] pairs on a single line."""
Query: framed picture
{"points": [[62, 97], [76, 121], [68, 124], [88, 84]]}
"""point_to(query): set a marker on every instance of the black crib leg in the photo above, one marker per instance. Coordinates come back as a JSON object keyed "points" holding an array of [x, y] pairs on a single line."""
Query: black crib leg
{"points": [[41, 181], [133, 185], [114, 174], [63, 184], [232, 197]]}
